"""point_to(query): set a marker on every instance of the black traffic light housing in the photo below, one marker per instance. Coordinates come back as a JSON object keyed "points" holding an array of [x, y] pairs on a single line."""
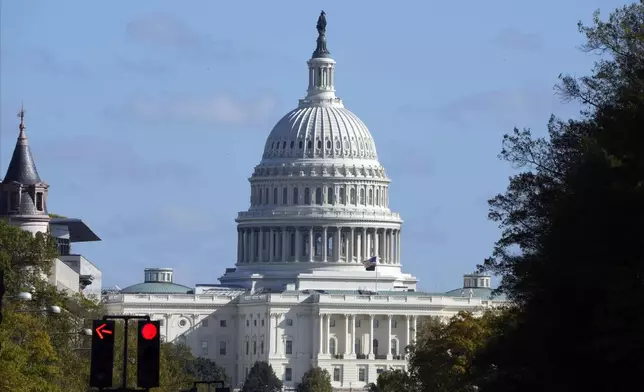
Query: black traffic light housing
{"points": [[149, 352], [102, 363]]}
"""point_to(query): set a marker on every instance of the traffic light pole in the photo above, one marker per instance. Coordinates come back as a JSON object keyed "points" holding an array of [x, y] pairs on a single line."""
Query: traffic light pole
{"points": [[127, 321]]}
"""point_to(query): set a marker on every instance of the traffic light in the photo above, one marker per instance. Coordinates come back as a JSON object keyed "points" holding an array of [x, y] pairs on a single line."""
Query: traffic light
{"points": [[102, 354], [149, 350]]}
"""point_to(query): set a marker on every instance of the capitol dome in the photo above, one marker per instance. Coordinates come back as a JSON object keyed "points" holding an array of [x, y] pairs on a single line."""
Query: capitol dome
{"points": [[319, 200]]}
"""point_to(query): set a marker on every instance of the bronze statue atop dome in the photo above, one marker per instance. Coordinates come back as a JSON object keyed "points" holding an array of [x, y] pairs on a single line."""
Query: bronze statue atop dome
{"points": [[321, 26]]}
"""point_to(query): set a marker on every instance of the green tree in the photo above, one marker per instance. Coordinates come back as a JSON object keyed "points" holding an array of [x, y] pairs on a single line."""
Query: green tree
{"points": [[315, 380], [441, 358], [393, 380], [205, 369], [570, 253], [261, 378]]}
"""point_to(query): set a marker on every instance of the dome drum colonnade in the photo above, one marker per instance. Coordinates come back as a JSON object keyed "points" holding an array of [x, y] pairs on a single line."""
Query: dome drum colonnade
{"points": [[319, 195]]}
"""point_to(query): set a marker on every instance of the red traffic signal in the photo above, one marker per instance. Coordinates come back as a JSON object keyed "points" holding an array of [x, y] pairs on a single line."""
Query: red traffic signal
{"points": [[149, 331]]}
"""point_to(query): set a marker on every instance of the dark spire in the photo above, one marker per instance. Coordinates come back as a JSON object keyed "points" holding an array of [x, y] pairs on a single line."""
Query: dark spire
{"points": [[321, 50], [22, 168]]}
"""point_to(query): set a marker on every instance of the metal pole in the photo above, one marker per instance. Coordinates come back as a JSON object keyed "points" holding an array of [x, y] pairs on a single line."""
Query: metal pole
{"points": [[125, 359]]}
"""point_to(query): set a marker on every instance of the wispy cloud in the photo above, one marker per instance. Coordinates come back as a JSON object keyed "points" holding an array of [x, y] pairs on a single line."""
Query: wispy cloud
{"points": [[164, 30], [514, 39], [43, 60], [220, 109], [110, 162]]}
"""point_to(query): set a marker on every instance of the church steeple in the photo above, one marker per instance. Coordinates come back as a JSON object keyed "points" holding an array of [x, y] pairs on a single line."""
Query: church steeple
{"points": [[321, 90], [23, 195]]}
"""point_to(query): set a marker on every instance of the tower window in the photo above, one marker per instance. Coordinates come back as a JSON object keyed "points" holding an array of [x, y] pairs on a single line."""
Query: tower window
{"points": [[329, 196], [14, 200], [318, 196], [285, 195], [39, 201], [308, 144], [275, 196], [292, 144], [307, 196], [296, 196], [342, 196], [361, 196], [370, 199], [319, 144], [266, 196], [352, 193], [300, 144], [283, 145], [328, 144]]}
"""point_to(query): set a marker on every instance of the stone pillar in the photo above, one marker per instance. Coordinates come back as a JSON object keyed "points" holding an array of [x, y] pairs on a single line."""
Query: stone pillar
{"points": [[364, 240], [276, 316], [398, 247], [260, 246], [376, 246], [336, 244], [321, 350], [311, 247], [408, 329], [239, 245], [415, 328], [389, 356], [252, 245], [353, 335], [271, 244], [347, 337], [327, 335], [298, 244], [284, 247], [325, 243], [390, 246], [371, 318]]}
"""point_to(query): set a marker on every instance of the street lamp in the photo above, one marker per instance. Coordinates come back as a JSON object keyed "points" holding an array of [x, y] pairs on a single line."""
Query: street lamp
{"points": [[23, 296]]}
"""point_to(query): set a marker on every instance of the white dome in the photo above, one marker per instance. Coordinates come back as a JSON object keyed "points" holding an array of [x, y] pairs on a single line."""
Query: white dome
{"points": [[329, 131]]}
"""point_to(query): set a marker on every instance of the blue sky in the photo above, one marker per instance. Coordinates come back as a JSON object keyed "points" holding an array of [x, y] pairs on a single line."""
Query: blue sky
{"points": [[147, 117]]}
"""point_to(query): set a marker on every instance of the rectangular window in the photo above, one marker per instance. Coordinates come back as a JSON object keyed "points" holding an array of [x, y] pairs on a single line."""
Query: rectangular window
{"points": [[289, 347], [261, 347], [13, 200], [289, 322], [222, 348], [39, 201], [357, 323], [247, 347], [288, 374], [331, 323], [336, 373], [379, 371], [204, 323], [222, 323], [362, 374], [204, 348]]}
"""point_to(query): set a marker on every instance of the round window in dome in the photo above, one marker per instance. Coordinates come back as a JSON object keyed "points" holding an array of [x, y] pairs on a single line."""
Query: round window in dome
{"points": [[183, 323]]}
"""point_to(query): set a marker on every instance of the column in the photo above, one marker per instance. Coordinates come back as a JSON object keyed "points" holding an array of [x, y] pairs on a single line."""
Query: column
{"points": [[385, 246], [376, 245], [398, 247], [327, 335], [321, 351], [284, 248], [277, 339], [260, 245], [388, 345], [353, 335], [363, 254], [408, 329], [271, 244], [298, 244], [311, 247], [351, 245], [371, 336], [253, 241], [390, 246], [336, 244], [239, 245], [325, 243], [415, 328], [347, 338]]}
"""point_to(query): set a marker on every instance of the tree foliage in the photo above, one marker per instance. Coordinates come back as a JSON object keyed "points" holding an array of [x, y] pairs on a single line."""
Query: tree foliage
{"points": [[315, 380], [393, 380], [570, 254], [261, 377]]}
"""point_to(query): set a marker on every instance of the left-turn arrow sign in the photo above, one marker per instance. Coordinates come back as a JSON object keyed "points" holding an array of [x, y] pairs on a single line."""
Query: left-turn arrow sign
{"points": [[100, 330]]}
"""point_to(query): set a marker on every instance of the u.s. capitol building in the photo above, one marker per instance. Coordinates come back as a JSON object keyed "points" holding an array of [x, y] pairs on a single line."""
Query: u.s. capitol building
{"points": [[299, 295]]}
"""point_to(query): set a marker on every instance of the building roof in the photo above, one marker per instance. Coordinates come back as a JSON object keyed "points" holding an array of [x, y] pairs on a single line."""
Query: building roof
{"points": [[78, 230], [477, 292], [22, 168], [157, 287]]}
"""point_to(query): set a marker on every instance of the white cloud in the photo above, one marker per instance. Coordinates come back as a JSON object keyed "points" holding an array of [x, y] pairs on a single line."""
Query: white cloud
{"points": [[517, 40], [221, 109]]}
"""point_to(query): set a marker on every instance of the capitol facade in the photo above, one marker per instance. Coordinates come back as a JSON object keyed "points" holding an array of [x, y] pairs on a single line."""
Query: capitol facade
{"points": [[300, 294]]}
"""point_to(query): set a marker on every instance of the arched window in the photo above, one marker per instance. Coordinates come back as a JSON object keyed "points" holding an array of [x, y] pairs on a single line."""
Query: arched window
{"points": [[285, 196], [329, 195], [296, 196], [300, 144], [247, 347], [266, 196], [318, 196], [254, 347], [292, 144], [361, 196], [356, 346], [275, 196], [370, 197], [377, 196], [307, 196], [343, 197], [309, 144], [394, 347], [352, 197], [375, 346], [319, 144], [332, 346], [284, 145]]}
